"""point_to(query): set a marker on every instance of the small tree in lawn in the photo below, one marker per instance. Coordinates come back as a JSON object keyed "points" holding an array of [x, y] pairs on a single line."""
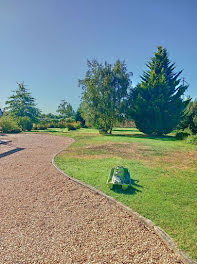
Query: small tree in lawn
{"points": [[157, 103], [105, 91], [65, 110], [22, 104]]}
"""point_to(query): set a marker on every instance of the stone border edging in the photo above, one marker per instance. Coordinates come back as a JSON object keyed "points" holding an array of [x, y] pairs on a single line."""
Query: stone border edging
{"points": [[160, 232]]}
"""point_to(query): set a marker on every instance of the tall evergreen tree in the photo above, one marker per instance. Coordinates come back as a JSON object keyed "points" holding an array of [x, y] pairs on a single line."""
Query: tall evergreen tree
{"points": [[157, 103], [105, 92], [22, 104]]}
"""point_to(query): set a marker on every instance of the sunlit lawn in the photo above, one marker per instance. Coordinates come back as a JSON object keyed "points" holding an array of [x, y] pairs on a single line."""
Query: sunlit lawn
{"points": [[164, 171]]}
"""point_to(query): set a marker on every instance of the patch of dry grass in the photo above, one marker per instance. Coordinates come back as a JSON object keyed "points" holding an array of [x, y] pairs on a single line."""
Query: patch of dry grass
{"points": [[135, 151]]}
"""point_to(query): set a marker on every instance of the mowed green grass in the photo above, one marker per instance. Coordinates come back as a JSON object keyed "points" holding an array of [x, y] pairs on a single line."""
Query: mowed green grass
{"points": [[163, 170]]}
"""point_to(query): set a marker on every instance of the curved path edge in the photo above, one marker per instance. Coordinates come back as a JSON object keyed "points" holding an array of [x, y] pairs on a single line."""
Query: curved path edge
{"points": [[150, 224]]}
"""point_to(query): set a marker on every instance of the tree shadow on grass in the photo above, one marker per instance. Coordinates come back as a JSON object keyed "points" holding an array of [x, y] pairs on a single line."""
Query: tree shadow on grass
{"points": [[125, 130], [131, 189], [143, 136]]}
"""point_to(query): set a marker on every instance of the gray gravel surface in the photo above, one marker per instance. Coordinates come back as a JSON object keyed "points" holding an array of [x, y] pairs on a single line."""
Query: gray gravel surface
{"points": [[47, 218]]}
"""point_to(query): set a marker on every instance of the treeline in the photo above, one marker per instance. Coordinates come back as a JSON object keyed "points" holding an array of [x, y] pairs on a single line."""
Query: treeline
{"points": [[157, 105], [22, 114]]}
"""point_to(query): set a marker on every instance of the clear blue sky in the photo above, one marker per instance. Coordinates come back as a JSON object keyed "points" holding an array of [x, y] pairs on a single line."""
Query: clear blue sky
{"points": [[46, 43]]}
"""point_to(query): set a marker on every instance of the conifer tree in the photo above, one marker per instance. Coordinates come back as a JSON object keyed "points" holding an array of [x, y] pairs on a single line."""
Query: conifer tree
{"points": [[22, 104], [157, 103]]}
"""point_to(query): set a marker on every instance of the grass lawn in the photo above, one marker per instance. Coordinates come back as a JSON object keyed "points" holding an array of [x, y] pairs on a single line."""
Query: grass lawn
{"points": [[163, 170]]}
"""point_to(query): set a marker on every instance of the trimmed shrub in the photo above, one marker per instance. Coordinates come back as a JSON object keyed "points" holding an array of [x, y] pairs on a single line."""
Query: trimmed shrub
{"points": [[40, 126], [9, 124], [25, 123]]}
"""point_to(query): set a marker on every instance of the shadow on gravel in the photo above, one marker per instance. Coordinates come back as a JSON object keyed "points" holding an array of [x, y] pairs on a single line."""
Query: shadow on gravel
{"points": [[7, 153], [5, 142]]}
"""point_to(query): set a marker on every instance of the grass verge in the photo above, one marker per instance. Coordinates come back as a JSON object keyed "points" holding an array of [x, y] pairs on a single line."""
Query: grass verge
{"points": [[163, 170]]}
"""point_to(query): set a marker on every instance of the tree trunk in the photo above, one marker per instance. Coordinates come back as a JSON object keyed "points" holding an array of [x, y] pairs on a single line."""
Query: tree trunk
{"points": [[111, 127], [105, 126]]}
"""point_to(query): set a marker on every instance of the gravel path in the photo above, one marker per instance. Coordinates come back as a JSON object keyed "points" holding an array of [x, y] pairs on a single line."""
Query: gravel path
{"points": [[46, 218]]}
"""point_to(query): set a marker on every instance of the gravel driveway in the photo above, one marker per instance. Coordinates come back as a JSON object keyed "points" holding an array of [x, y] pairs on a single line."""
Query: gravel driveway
{"points": [[47, 218]]}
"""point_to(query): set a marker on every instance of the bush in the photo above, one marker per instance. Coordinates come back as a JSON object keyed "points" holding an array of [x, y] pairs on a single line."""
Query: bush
{"points": [[51, 125], [70, 127], [25, 123], [190, 117], [182, 134], [73, 125], [9, 124], [62, 124], [192, 139], [77, 125], [69, 120], [40, 126]]}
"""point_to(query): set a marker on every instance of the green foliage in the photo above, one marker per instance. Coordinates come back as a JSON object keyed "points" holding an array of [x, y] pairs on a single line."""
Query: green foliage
{"points": [[65, 110], [69, 120], [61, 124], [192, 139], [49, 117], [156, 104], [43, 125], [105, 91], [77, 124], [40, 126], [73, 126], [181, 134], [190, 117], [25, 123], [21, 104], [9, 124], [78, 116]]}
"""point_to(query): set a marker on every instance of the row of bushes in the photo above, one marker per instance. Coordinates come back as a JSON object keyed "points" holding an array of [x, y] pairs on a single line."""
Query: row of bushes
{"points": [[60, 124], [10, 124], [186, 135]]}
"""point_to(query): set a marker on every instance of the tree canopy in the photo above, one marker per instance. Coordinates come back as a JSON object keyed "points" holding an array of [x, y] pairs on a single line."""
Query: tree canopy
{"points": [[157, 104], [190, 117], [65, 109], [105, 90], [78, 116], [22, 104]]}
